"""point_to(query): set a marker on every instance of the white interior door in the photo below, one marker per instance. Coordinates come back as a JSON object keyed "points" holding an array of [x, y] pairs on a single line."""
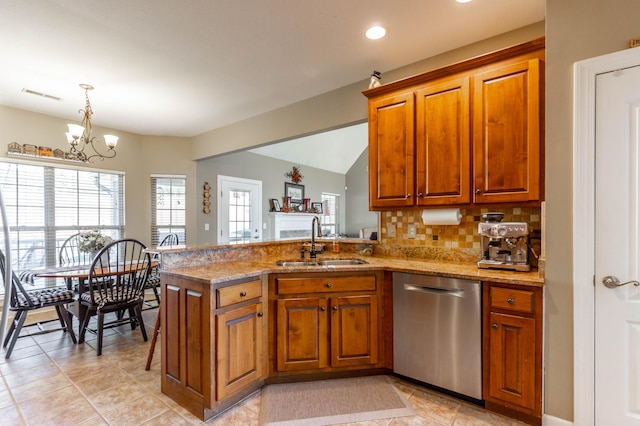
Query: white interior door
{"points": [[617, 248], [239, 209]]}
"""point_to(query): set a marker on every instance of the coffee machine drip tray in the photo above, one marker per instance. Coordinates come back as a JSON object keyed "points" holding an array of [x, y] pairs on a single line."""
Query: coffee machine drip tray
{"points": [[496, 264]]}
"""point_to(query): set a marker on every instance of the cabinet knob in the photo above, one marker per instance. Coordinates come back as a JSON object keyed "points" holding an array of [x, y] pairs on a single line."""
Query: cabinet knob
{"points": [[328, 285], [510, 301], [477, 192], [420, 194], [408, 195], [335, 308], [260, 314], [243, 293], [322, 308], [494, 326]]}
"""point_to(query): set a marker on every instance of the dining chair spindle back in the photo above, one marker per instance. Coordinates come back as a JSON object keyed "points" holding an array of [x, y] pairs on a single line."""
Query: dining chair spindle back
{"points": [[116, 282]]}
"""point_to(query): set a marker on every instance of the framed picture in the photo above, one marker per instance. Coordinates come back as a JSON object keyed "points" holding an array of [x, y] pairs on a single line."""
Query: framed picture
{"points": [[275, 205], [295, 191], [317, 207]]}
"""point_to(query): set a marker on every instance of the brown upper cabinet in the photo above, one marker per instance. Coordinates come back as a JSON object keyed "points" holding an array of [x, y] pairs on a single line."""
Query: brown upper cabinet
{"points": [[468, 133]]}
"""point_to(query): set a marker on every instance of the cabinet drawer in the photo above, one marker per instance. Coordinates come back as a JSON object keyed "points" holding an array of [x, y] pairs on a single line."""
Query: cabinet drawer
{"points": [[325, 284], [239, 293], [513, 300]]}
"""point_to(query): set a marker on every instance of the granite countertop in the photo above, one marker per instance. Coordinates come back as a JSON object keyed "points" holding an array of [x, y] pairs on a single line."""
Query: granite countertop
{"points": [[225, 271]]}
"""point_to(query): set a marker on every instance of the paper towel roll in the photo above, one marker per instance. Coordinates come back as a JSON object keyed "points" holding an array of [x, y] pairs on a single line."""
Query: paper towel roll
{"points": [[441, 217]]}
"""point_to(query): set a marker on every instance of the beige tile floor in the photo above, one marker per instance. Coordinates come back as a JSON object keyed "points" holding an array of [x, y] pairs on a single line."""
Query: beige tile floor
{"points": [[51, 381]]}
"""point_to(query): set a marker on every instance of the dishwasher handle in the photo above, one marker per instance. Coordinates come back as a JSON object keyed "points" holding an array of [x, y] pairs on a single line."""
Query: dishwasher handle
{"points": [[456, 292]]}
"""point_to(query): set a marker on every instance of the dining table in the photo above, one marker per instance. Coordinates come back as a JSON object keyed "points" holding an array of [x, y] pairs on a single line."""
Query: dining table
{"points": [[80, 273]]}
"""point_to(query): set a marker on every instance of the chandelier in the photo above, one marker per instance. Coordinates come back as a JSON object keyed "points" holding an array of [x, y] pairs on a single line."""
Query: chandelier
{"points": [[79, 137]]}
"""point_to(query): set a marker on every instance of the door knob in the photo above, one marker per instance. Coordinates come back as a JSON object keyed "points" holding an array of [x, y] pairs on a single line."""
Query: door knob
{"points": [[611, 281]]}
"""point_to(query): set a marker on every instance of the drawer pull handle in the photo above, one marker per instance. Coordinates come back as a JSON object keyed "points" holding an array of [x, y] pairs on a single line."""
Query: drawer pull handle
{"points": [[322, 308], [328, 285], [495, 326], [243, 293], [260, 314], [511, 301]]}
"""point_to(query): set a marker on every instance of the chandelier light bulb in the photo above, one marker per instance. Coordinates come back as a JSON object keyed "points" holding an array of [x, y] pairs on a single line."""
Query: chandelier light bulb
{"points": [[111, 141]]}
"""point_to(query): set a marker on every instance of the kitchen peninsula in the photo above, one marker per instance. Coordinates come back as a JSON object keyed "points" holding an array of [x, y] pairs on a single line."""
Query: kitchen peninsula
{"points": [[232, 320]]}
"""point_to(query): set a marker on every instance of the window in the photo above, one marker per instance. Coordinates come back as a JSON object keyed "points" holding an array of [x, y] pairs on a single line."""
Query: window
{"points": [[168, 207], [46, 205], [329, 218]]}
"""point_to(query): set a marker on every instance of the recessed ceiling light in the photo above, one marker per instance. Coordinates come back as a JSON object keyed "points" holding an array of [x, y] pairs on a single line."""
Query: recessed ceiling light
{"points": [[463, 1], [376, 32]]}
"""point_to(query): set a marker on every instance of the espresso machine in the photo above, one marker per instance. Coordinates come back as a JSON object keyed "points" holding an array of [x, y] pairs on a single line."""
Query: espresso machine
{"points": [[505, 245]]}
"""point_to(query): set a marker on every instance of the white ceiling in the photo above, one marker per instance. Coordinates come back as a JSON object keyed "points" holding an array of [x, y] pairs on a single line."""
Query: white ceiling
{"points": [[184, 67]]}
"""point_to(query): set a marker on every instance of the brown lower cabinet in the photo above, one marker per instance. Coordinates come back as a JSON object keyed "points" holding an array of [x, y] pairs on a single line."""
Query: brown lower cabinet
{"points": [[213, 342], [221, 342], [325, 322], [513, 350]]}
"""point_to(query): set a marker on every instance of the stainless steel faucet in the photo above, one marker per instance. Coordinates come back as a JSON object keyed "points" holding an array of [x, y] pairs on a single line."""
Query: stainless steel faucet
{"points": [[318, 231]]}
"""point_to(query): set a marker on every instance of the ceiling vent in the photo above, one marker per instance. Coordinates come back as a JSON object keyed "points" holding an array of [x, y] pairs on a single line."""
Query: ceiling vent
{"points": [[42, 95]]}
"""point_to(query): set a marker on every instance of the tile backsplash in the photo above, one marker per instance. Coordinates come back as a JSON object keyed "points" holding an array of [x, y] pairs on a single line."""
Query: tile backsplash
{"points": [[449, 242]]}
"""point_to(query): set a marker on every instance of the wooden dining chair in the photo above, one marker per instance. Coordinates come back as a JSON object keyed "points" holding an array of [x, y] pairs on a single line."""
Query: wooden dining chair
{"points": [[70, 252], [153, 282], [116, 282], [24, 301]]}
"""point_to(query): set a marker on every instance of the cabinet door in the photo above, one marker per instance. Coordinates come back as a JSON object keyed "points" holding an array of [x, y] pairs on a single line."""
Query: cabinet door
{"points": [[301, 334], [507, 134], [512, 359], [443, 163], [391, 155], [354, 331], [239, 349]]}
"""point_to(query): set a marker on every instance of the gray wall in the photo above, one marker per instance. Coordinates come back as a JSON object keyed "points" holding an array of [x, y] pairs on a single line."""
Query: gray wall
{"points": [[358, 214], [271, 172]]}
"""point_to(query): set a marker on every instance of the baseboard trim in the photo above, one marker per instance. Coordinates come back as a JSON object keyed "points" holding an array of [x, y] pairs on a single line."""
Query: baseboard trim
{"points": [[548, 420]]}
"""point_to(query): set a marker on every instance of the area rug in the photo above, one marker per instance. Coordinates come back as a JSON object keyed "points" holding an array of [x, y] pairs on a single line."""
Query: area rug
{"points": [[328, 402]]}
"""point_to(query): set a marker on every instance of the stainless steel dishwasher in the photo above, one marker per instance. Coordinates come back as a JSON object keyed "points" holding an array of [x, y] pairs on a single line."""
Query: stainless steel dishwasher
{"points": [[437, 332]]}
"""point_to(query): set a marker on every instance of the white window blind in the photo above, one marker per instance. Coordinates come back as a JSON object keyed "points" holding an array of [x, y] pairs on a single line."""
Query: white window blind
{"points": [[168, 207], [46, 205]]}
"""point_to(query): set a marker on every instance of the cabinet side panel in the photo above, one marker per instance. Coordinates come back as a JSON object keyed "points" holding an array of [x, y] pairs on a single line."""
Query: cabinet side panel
{"points": [[171, 331], [194, 307]]}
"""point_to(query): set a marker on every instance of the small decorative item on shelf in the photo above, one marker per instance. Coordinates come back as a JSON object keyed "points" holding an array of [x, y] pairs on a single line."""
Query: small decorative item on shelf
{"points": [[306, 204], [375, 79], [295, 175], [206, 195], [286, 203], [316, 208], [93, 241]]}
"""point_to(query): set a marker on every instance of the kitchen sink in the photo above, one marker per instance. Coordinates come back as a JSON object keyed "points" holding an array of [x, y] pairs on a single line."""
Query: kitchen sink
{"points": [[296, 263], [327, 262], [338, 262]]}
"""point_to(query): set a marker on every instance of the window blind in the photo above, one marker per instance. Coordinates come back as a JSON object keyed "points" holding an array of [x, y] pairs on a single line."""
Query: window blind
{"points": [[47, 204], [168, 207]]}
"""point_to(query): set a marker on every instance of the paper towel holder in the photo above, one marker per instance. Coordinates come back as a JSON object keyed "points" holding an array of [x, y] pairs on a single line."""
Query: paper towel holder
{"points": [[441, 217]]}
